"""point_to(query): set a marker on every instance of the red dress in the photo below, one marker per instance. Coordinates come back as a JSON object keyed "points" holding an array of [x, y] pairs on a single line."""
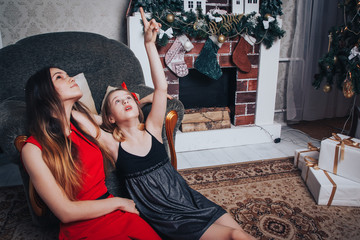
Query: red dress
{"points": [[115, 225]]}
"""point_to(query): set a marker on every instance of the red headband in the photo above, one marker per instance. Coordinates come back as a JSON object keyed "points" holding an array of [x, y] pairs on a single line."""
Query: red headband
{"points": [[123, 85]]}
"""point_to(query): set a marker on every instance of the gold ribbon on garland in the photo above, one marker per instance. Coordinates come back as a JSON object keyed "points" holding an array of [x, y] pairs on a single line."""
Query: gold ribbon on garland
{"points": [[228, 22]]}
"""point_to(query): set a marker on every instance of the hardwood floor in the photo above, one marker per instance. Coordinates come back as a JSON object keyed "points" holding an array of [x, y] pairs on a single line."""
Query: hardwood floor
{"points": [[291, 139], [323, 128]]}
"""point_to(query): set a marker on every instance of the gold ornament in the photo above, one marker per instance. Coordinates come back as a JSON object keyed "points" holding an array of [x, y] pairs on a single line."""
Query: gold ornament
{"points": [[267, 15], [330, 40], [335, 59], [327, 88], [170, 17], [328, 68], [348, 89], [221, 38]]}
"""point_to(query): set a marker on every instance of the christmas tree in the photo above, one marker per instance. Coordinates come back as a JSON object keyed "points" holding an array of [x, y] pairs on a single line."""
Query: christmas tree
{"points": [[340, 66]]}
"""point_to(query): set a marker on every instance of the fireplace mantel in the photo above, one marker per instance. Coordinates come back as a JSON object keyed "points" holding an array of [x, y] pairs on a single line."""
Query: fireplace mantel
{"points": [[263, 130]]}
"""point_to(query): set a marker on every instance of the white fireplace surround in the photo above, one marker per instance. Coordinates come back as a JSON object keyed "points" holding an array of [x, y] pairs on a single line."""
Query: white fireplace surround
{"points": [[264, 129]]}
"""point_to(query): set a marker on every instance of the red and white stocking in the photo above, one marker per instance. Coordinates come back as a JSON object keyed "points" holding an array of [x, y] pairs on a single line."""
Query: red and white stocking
{"points": [[174, 58]]}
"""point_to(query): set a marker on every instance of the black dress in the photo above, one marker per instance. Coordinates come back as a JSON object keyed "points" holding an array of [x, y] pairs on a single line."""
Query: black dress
{"points": [[163, 197]]}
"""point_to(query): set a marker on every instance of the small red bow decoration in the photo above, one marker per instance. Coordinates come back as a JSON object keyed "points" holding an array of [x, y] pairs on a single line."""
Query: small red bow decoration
{"points": [[123, 85]]}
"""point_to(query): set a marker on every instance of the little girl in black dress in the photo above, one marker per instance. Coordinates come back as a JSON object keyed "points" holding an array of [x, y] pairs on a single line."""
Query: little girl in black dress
{"points": [[161, 195]]}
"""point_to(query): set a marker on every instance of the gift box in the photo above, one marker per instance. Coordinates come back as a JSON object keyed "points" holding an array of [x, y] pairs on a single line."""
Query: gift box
{"points": [[340, 155], [300, 154], [330, 189]]}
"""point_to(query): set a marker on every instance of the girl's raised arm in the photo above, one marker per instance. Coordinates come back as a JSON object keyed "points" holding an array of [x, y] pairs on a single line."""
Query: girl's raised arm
{"points": [[156, 116]]}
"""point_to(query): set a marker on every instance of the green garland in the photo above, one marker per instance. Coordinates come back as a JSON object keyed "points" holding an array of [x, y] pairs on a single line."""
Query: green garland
{"points": [[200, 26], [158, 5], [335, 66]]}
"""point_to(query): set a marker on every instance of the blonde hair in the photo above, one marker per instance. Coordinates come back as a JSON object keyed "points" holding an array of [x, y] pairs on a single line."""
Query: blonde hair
{"points": [[112, 127]]}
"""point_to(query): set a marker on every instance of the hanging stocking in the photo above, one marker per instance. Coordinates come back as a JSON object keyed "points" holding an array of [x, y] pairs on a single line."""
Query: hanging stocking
{"points": [[174, 58], [207, 62], [239, 55]]}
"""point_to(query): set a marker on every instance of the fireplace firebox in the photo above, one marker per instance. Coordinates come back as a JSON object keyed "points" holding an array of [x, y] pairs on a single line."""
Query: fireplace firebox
{"points": [[199, 91]]}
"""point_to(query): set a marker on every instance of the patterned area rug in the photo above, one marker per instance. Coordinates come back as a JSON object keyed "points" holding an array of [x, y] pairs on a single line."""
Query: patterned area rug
{"points": [[270, 201], [15, 218], [267, 198]]}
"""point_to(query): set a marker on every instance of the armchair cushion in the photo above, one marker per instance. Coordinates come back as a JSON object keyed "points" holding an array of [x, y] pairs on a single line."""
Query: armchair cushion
{"points": [[87, 98]]}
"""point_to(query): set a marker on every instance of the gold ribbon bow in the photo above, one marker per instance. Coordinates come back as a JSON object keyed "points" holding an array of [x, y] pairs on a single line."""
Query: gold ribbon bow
{"points": [[310, 162], [310, 147], [341, 146]]}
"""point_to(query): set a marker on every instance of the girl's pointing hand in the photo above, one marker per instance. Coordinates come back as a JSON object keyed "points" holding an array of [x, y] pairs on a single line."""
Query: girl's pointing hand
{"points": [[151, 28]]}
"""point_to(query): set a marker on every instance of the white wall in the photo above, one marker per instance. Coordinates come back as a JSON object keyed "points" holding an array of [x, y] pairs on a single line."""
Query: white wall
{"points": [[1, 44], [20, 19]]}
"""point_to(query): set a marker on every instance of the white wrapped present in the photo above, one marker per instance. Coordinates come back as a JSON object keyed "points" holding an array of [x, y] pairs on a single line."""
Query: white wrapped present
{"points": [[340, 155], [330, 189], [300, 154]]}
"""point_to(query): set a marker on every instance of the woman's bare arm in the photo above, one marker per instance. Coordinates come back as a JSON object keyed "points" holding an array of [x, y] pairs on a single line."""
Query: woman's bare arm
{"points": [[55, 198]]}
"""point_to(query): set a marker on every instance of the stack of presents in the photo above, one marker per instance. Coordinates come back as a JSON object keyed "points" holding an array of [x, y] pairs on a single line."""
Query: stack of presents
{"points": [[332, 172]]}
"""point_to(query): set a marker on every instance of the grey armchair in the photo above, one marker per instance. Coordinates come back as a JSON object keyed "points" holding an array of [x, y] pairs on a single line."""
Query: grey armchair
{"points": [[103, 61]]}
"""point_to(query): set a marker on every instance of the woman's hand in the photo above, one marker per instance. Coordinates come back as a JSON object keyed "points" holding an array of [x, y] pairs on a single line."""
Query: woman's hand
{"points": [[149, 99], [128, 205], [150, 28]]}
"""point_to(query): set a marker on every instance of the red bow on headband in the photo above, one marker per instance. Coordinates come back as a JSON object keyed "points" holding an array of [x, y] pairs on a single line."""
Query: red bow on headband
{"points": [[123, 85]]}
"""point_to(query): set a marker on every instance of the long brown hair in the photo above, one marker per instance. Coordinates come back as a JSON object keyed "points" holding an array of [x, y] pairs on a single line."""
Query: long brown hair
{"points": [[58, 152], [112, 127]]}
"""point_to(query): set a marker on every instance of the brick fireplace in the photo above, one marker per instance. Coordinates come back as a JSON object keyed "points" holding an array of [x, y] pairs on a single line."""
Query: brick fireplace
{"points": [[253, 111], [242, 112]]}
